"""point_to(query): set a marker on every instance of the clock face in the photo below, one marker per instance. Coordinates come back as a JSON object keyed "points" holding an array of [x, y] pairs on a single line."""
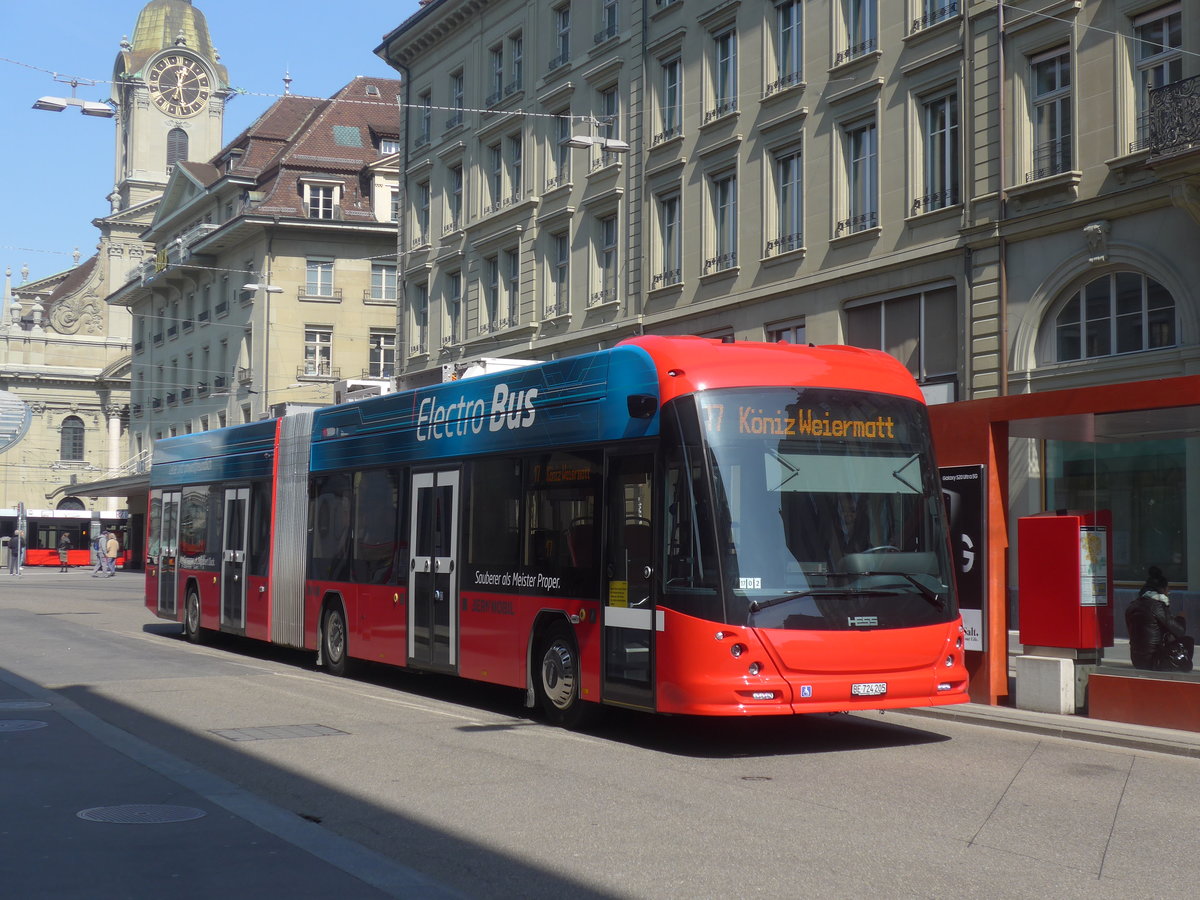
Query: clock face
{"points": [[179, 85]]}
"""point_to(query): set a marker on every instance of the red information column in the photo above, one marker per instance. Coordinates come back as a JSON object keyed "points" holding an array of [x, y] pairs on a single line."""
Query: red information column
{"points": [[1065, 575]]}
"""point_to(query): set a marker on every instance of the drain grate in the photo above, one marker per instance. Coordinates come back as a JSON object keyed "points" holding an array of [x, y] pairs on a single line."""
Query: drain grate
{"points": [[24, 704], [275, 732], [140, 814], [7, 725]]}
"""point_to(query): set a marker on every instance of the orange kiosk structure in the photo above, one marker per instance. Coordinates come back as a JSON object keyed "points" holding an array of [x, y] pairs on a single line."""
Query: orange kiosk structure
{"points": [[977, 433]]}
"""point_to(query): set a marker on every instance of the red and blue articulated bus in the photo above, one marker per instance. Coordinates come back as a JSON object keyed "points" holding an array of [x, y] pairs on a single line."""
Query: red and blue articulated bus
{"points": [[676, 524]]}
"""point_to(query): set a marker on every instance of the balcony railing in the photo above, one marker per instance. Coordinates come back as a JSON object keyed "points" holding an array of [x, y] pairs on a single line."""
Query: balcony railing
{"points": [[666, 279], [855, 224], [375, 295], [318, 292], [318, 369], [720, 263], [784, 244], [554, 310], [456, 119], [855, 51], [558, 62], [665, 135], [605, 34], [937, 200], [1050, 158], [1175, 115], [599, 298], [723, 108], [782, 83]]}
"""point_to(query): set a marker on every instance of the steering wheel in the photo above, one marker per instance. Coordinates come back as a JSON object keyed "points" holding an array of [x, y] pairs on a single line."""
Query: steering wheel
{"points": [[883, 548]]}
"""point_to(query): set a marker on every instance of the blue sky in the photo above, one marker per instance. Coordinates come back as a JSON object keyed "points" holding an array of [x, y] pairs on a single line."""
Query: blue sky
{"points": [[60, 165]]}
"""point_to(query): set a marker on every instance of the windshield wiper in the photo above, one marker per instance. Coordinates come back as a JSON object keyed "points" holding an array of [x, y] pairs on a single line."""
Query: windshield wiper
{"points": [[760, 605], [925, 590], [904, 481]]}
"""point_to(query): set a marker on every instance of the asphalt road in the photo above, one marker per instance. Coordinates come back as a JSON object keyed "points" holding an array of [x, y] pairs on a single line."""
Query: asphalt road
{"points": [[407, 785]]}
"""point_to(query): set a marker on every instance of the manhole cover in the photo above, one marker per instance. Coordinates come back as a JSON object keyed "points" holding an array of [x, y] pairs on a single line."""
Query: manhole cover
{"points": [[24, 704], [21, 725], [140, 814]]}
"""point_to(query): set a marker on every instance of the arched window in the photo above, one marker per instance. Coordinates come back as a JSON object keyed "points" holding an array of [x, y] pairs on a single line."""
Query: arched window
{"points": [[70, 503], [71, 439], [1122, 312], [177, 146]]}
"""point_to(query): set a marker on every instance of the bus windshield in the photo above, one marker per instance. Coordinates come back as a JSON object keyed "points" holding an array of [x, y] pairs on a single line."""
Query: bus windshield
{"points": [[832, 509]]}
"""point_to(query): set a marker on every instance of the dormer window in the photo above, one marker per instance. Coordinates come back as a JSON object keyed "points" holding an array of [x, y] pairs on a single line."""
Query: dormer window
{"points": [[387, 146], [233, 160], [322, 199]]}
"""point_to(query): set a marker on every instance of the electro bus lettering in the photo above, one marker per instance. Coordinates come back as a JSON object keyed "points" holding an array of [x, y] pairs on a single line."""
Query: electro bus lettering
{"points": [[508, 410], [754, 421]]}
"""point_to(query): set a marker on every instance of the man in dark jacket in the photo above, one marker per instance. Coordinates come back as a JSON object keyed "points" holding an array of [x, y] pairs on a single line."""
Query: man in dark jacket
{"points": [[1152, 630]]}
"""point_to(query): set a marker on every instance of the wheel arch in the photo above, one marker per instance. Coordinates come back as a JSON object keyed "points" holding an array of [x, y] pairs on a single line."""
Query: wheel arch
{"points": [[541, 624]]}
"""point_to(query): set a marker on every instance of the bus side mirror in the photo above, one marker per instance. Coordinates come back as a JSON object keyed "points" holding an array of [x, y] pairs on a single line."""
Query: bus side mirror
{"points": [[641, 406]]}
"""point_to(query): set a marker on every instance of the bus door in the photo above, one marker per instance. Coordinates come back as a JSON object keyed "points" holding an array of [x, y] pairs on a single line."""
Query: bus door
{"points": [[432, 570], [168, 550], [630, 614], [233, 559]]}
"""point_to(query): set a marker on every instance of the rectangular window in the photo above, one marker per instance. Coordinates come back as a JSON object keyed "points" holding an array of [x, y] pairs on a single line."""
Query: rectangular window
{"points": [[1158, 58], [562, 35], [420, 320], [610, 125], [670, 246], [934, 11], [378, 501], [939, 119], [723, 189], [491, 296], [512, 293], [1051, 92], [394, 207], [382, 362], [609, 14], [421, 220], [861, 151], [860, 19], [496, 75], [318, 350], [606, 261], [495, 176], [320, 200], [516, 63], [560, 153], [786, 332], [383, 281], [457, 92], [789, 45], [318, 277], [724, 75], [671, 100], [425, 127], [560, 272], [789, 203], [454, 313], [514, 167], [920, 330], [455, 200]]}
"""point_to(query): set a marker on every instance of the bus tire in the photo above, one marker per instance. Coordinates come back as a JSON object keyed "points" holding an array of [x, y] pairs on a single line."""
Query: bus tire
{"points": [[333, 640], [191, 617], [557, 677]]}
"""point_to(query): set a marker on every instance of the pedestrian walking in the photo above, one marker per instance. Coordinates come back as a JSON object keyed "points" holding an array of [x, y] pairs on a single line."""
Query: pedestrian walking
{"points": [[16, 547], [99, 545], [112, 549], [64, 548]]}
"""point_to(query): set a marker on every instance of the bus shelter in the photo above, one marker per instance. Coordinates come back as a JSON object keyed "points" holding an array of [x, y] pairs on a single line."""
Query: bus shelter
{"points": [[1128, 453]]}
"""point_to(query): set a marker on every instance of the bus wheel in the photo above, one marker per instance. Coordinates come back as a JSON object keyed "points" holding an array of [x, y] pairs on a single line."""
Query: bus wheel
{"points": [[333, 640], [557, 678], [191, 617]]}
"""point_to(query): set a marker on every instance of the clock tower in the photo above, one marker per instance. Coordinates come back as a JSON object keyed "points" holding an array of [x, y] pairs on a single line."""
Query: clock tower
{"points": [[170, 91]]}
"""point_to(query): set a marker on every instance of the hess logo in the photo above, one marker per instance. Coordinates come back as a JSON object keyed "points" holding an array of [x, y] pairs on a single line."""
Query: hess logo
{"points": [[512, 410]]}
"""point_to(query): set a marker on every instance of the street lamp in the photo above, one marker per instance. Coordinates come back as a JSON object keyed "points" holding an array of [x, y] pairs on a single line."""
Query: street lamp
{"points": [[606, 144], [103, 110]]}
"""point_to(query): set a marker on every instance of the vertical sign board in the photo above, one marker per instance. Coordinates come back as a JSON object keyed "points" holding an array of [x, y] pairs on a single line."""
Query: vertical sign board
{"points": [[963, 488], [1093, 565]]}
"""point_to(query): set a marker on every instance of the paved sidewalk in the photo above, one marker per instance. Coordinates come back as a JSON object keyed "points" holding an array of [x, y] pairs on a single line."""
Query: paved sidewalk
{"points": [[1100, 731], [92, 811]]}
